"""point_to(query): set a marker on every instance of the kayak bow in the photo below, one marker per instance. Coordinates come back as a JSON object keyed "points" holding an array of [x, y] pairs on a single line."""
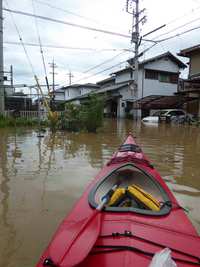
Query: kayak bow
{"points": [[140, 216]]}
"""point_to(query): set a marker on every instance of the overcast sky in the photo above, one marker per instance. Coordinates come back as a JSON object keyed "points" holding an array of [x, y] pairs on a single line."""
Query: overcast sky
{"points": [[108, 15]]}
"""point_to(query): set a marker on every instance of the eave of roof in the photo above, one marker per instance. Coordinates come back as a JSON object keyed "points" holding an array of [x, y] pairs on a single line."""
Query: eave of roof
{"points": [[189, 51], [91, 85], [162, 102], [167, 54], [106, 80]]}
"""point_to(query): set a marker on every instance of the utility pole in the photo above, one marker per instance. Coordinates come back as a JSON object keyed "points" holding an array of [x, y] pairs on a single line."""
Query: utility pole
{"points": [[70, 75], [2, 94], [132, 7], [53, 66], [11, 78]]}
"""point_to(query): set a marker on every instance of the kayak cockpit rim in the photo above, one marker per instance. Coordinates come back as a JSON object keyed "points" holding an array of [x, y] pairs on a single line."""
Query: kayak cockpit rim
{"points": [[130, 174]]}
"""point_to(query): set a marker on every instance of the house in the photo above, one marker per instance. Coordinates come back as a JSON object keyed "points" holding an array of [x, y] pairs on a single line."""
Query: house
{"points": [[70, 92], [191, 86], [18, 101], [158, 76]]}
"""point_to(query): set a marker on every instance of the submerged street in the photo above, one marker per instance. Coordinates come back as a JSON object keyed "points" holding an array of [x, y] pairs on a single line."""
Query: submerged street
{"points": [[41, 178]]}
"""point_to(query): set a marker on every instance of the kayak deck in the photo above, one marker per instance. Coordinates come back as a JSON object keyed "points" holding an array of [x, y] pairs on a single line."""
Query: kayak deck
{"points": [[126, 236]]}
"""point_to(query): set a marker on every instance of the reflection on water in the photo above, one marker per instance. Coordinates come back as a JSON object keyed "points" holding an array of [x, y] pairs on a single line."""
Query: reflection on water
{"points": [[41, 178]]}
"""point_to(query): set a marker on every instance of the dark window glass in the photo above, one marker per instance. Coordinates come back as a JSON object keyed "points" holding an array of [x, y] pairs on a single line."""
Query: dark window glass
{"points": [[151, 74], [164, 77], [168, 77], [174, 78], [176, 113]]}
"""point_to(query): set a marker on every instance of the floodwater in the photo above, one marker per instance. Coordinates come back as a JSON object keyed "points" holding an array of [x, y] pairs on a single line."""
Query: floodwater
{"points": [[41, 178]]}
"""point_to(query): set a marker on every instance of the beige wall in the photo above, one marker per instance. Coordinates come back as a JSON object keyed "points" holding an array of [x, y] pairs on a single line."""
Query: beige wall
{"points": [[195, 64]]}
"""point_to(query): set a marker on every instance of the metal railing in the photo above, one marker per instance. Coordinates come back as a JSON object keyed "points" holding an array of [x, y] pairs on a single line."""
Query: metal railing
{"points": [[28, 114]]}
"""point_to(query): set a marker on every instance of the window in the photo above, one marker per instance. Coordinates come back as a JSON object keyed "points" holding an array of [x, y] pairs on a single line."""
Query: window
{"points": [[168, 77], [164, 77], [151, 74], [176, 113], [174, 78]]}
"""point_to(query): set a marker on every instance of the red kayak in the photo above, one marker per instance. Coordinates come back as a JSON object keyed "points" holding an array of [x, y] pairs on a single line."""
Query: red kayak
{"points": [[124, 217]]}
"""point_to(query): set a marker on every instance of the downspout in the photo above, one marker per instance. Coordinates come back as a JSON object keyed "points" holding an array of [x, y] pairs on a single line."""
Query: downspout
{"points": [[142, 87], [142, 82]]}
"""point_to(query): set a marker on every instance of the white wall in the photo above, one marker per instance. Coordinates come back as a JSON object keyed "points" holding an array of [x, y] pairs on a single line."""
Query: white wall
{"points": [[154, 87], [162, 65], [75, 92], [71, 93], [123, 77], [59, 96], [86, 90]]}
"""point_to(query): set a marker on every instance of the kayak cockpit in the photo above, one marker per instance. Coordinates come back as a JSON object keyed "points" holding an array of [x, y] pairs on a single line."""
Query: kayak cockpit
{"points": [[131, 179]]}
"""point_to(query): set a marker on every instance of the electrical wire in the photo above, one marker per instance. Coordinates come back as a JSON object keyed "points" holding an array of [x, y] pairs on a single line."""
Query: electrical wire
{"points": [[182, 16], [72, 13], [21, 41], [64, 10], [68, 47], [179, 27], [109, 68], [104, 62], [178, 34], [66, 23], [95, 74], [41, 49]]}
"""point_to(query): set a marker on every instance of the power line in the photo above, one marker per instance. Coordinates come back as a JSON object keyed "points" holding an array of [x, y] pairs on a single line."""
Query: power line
{"points": [[104, 62], [95, 74], [182, 16], [178, 34], [64, 10], [22, 42], [68, 47], [67, 23], [109, 68], [41, 49], [179, 27]]}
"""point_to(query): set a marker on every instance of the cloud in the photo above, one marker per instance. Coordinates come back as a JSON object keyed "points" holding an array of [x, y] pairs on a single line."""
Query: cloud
{"points": [[108, 15]]}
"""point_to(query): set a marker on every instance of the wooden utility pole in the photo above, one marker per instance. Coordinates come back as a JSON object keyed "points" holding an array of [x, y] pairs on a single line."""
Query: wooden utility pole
{"points": [[2, 94]]}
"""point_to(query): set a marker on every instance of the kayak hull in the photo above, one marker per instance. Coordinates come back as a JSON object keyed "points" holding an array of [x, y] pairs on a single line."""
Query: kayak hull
{"points": [[147, 233]]}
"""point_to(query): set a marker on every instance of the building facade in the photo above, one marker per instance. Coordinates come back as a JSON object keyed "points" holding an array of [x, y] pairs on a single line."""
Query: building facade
{"points": [[73, 91], [157, 76], [191, 86]]}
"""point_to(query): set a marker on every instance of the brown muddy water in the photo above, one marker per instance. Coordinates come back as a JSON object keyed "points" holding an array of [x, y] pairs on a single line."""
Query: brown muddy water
{"points": [[41, 178]]}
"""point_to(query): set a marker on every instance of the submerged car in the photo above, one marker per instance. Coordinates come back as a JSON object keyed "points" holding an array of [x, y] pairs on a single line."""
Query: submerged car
{"points": [[164, 115]]}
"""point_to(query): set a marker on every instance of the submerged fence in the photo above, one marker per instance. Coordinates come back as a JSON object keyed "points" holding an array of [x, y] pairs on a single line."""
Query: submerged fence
{"points": [[27, 114]]}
